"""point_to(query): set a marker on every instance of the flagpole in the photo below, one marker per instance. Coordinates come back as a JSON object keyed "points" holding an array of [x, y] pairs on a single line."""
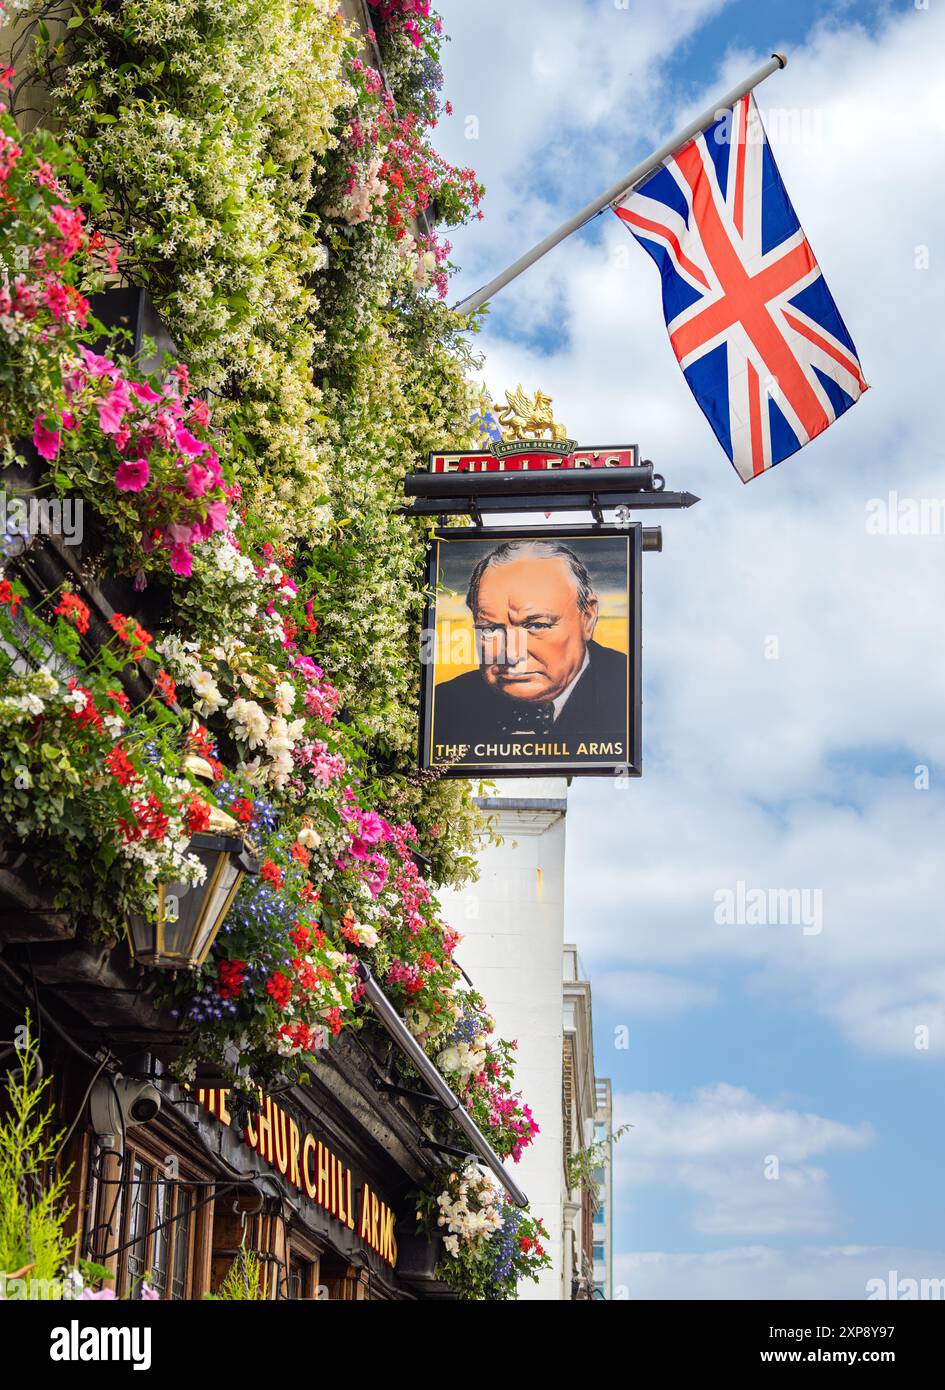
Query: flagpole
{"points": [[622, 187]]}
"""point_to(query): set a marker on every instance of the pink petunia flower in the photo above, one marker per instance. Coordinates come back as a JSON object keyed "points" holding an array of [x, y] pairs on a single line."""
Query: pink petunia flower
{"points": [[145, 393], [182, 560], [216, 518], [132, 475], [97, 365], [182, 532], [198, 480], [46, 442], [112, 410], [189, 442]]}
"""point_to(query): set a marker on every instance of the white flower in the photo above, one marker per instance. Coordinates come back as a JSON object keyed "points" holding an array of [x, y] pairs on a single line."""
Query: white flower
{"points": [[252, 726], [284, 697], [448, 1060], [366, 935], [418, 1020], [29, 703], [209, 697], [279, 740], [309, 838]]}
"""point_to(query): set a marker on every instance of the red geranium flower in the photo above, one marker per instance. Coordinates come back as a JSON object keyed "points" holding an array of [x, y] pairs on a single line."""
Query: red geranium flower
{"points": [[300, 936], [202, 744], [120, 766], [8, 596], [166, 687], [280, 988], [198, 815], [271, 873], [131, 631], [88, 714], [230, 977], [149, 819], [71, 607]]}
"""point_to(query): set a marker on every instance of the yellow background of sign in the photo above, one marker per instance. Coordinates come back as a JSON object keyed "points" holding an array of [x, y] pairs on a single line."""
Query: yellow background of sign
{"points": [[455, 632]]}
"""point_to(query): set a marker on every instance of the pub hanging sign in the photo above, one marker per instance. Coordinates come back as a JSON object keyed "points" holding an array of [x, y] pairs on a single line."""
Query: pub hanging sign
{"points": [[531, 652]]}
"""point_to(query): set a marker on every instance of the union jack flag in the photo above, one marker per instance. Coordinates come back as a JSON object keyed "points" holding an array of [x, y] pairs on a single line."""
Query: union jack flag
{"points": [[750, 318]]}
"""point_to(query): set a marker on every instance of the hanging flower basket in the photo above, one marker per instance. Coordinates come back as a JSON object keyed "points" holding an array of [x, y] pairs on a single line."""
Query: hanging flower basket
{"points": [[418, 1256]]}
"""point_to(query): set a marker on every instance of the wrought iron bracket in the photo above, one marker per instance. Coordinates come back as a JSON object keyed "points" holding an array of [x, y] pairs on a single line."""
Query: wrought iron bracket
{"points": [[446, 1149], [392, 1089]]}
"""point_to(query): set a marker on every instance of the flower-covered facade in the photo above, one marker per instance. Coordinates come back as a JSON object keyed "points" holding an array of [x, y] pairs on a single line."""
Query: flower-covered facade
{"points": [[229, 638]]}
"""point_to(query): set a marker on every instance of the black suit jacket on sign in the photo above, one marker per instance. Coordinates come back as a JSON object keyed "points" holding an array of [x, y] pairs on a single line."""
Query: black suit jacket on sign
{"points": [[467, 710]]}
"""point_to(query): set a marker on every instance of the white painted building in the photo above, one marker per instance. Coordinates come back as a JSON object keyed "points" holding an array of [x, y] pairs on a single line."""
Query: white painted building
{"points": [[512, 923]]}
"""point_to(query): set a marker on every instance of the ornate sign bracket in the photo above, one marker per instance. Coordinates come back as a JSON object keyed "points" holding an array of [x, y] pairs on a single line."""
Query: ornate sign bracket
{"points": [[523, 472]]}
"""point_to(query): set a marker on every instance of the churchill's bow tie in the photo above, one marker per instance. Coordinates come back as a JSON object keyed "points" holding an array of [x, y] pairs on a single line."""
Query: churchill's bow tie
{"points": [[528, 717]]}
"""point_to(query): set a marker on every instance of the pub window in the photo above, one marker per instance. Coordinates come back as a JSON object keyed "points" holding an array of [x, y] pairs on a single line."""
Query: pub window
{"points": [[183, 1243], [136, 1261], [156, 1221], [162, 1237], [303, 1278]]}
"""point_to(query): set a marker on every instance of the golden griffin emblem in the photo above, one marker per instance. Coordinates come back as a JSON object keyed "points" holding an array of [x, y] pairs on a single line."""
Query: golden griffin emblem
{"points": [[527, 417]]}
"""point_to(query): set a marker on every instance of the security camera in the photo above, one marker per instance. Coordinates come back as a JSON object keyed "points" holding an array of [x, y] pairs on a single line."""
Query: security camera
{"points": [[122, 1101], [143, 1100]]}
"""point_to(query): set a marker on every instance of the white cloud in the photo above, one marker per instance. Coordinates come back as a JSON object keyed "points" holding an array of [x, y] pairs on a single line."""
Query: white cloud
{"points": [[761, 1272], [741, 1163], [721, 1122]]}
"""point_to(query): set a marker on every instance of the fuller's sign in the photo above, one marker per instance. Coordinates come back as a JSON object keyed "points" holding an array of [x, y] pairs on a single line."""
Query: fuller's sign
{"points": [[535, 456], [310, 1166]]}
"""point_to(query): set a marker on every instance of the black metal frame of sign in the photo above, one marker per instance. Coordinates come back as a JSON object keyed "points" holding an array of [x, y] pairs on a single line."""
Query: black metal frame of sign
{"points": [[594, 490]]}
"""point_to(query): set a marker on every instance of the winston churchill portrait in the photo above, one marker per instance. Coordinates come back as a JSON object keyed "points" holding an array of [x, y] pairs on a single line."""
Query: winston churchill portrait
{"points": [[544, 689]]}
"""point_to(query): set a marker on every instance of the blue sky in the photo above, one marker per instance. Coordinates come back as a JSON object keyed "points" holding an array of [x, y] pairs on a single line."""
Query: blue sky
{"points": [[800, 772]]}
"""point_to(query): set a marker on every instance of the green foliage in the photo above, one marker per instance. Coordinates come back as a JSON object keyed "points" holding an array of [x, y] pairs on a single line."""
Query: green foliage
{"points": [[218, 134], [203, 122], [581, 1165], [33, 1204], [243, 1280], [70, 746]]}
